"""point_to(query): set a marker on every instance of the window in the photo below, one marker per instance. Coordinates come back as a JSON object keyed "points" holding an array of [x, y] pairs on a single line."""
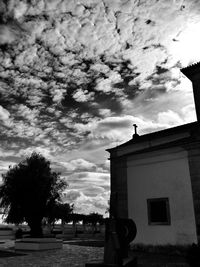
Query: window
{"points": [[158, 211]]}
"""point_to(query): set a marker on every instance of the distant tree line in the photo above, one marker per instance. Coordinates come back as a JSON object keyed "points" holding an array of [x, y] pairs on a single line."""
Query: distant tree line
{"points": [[64, 212]]}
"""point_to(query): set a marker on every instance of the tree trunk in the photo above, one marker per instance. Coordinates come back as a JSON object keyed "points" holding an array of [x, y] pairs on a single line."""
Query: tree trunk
{"points": [[63, 226], [36, 227], [74, 229]]}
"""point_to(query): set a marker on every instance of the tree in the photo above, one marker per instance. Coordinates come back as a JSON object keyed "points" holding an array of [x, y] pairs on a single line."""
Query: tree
{"points": [[28, 190], [75, 217], [59, 211], [108, 208], [94, 218]]}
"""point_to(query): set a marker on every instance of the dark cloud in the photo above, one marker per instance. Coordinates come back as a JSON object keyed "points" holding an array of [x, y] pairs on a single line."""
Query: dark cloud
{"points": [[114, 124]]}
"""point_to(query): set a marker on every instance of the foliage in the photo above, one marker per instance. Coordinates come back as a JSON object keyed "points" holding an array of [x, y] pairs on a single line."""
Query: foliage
{"points": [[58, 211], [28, 190], [94, 218], [75, 217]]}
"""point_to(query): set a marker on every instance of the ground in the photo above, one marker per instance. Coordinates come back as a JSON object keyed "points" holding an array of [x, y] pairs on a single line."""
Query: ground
{"points": [[69, 256], [75, 254]]}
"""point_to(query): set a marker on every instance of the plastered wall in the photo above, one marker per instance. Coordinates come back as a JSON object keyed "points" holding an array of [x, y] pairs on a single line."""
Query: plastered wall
{"points": [[157, 175]]}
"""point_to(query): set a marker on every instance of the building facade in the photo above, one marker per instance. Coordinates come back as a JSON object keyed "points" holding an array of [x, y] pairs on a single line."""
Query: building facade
{"points": [[155, 180]]}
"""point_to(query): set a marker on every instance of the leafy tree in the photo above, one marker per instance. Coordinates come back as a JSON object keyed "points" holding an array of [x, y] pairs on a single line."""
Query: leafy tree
{"points": [[58, 211], [75, 217], [94, 218], [28, 190]]}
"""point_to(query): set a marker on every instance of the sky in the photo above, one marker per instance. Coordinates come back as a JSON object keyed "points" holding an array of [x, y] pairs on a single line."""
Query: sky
{"points": [[75, 75]]}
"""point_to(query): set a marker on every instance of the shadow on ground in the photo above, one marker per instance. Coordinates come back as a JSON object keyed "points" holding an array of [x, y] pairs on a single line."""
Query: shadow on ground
{"points": [[87, 243], [6, 254]]}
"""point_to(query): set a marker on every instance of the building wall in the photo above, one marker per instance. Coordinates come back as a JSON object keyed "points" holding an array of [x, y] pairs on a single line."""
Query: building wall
{"points": [[161, 175], [194, 164], [118, 202]]}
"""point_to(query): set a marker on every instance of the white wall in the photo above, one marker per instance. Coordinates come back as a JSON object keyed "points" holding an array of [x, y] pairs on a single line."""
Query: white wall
{"points": [[157, 175]]}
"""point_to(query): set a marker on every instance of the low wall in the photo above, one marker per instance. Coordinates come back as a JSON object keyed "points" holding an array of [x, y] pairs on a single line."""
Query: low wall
{"points": [[6, 233]]}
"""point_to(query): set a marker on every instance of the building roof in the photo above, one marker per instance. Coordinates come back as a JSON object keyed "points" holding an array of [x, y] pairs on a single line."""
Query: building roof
{"points": [[191, 70], [167, 134]]}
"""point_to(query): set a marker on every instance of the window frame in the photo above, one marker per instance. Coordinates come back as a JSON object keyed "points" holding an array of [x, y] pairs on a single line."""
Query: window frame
{"points": [[166, 200]]}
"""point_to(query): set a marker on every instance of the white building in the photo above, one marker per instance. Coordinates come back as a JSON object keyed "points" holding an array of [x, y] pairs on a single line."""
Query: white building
{"points": [[155, 180]]}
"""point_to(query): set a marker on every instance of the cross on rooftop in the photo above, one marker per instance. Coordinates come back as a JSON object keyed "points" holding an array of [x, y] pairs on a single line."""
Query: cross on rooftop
{"points": [[135, 127], [135, 135]]}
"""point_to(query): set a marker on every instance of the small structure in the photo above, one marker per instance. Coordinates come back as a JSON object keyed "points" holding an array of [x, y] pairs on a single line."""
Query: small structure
{"points": [[155, 180], [38, 244]]}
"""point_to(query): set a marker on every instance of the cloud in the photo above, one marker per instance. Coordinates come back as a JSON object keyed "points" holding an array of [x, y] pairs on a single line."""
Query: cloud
{"points": [[7, 35], [88, 191], [93, 191], [4, 114], [83, 96], [71, 196], [189, 112], [88, 204], [105, 85], [79, 165], [170, 118], [30, 115], [58, 95], [89, 178]]}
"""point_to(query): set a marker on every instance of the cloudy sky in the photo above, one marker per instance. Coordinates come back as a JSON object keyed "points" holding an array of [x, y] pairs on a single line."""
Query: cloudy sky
{"points": [[76, 74]]}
